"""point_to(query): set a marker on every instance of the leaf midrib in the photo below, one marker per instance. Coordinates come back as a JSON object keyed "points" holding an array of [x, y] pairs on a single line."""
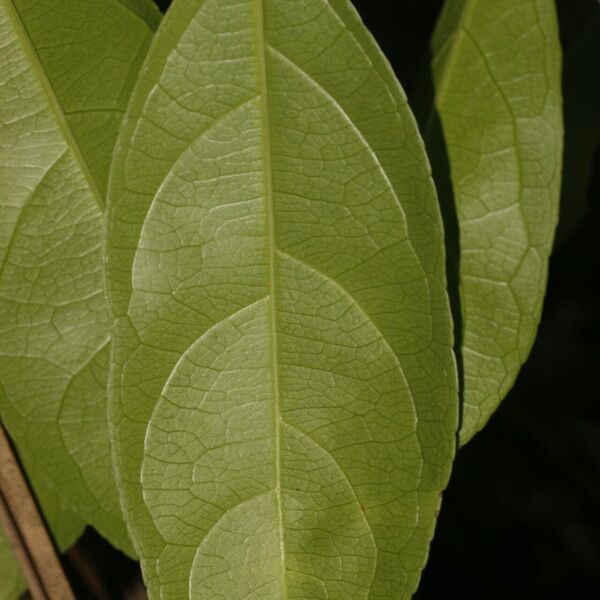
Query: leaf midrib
{"points": [[258, 14], [53, 101]]}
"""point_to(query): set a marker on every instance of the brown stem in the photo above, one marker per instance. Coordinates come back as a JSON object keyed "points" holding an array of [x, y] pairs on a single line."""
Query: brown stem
{"points": [[20, 551], [26, 531]]}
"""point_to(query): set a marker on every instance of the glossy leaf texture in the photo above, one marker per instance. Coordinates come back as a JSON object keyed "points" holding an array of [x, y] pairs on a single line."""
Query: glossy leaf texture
{"points": [[496, 77], [283, 381], [11, 580], [67, 70]]}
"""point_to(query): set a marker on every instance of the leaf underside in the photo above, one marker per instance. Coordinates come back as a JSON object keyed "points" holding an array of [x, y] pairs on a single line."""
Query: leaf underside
{"points": [[496, 71], [67, 69], [282, 381]]}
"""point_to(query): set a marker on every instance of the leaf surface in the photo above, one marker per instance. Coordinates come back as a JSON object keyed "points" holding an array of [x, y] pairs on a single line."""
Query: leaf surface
{"points": [[11, 580], [496, 73], [67, 69], [283, 384]]}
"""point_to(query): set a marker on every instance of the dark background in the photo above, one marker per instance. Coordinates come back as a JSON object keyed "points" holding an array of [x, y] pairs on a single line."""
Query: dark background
{"points": [[520, 518]]}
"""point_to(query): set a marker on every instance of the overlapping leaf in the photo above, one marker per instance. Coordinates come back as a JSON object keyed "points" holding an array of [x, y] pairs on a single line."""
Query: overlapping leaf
{"points": [[67, 70], [283, 384], [496, 71]]}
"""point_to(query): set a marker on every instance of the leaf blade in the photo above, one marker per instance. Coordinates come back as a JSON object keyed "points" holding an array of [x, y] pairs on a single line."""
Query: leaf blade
{"points": [[496, 72], [203, 231], [56, 148]]}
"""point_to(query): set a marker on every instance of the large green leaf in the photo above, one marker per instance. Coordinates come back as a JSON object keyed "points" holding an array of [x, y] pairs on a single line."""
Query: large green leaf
{"points": [[11, 581], [496, 72], [67, 70], [283, 381]]}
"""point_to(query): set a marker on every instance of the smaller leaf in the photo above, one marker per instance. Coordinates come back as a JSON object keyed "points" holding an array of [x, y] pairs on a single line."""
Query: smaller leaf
{"points": [[67, 71], [494, 134]]}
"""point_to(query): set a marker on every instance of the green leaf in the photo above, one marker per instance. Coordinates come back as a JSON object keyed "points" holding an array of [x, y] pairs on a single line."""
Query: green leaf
{"points": [[283, 381], [11, 580], [496, 74], [67, 72]]}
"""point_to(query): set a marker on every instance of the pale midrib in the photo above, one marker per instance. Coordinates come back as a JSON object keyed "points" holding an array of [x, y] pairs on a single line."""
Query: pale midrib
{"points": [[40, 74], [272, 253], [440, 89]]}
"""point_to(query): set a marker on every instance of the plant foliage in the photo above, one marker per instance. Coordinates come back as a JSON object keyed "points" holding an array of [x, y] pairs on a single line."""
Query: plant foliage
{"points": [[496, 72], [60, 109], [227, 341], [281, 327]]}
